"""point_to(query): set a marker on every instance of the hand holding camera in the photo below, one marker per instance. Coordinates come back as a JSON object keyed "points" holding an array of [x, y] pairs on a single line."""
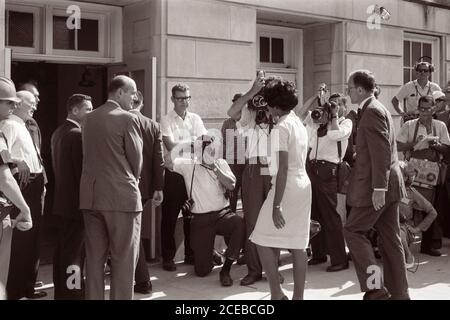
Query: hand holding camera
{"points": [[323, 93], [186, 209]]}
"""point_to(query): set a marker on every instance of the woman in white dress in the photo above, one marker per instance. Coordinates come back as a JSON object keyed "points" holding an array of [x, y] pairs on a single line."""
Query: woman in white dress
{"points": [[283, 222]]}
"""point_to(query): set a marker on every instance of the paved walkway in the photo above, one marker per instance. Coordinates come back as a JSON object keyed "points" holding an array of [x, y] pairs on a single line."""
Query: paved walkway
{"points": [[430, 282]]}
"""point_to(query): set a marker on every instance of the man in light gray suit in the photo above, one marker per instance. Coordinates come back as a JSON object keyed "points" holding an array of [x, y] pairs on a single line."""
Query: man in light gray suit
{"points": [[109, 191], [375, 190]]}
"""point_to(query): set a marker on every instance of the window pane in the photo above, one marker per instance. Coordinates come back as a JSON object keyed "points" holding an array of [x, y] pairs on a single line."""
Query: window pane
{"points": [[277, 50], [427, 52], [63, 38], [406, 75], [88, 35], [406, 54], [416, 51], [264, 49], [20, 29]]}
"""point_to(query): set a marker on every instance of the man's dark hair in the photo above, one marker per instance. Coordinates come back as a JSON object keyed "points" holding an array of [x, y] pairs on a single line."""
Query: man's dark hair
{"points": [[364, 79], [75, 100], [426, 99], [340, 98], [116, 83], [179, 87], [281, 94]]}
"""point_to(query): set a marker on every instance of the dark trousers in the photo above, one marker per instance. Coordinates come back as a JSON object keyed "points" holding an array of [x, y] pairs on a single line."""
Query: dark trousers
{"points": [[141, 274], [255, 188], [68, 259], [442, 207], [324, 202], [237, 170], [174, 196], [432, 238], [24, 263], [204, 229], [386, 222]]}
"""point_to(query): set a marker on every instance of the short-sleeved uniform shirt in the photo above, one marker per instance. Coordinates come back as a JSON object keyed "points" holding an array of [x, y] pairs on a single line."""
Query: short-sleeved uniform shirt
{"points": [[412, 91]]}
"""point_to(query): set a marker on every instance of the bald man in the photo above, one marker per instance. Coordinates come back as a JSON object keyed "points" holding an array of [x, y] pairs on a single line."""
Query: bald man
{"points": [[24, 261], [109, 191]]}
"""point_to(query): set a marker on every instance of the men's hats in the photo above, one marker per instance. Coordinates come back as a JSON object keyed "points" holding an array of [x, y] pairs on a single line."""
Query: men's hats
{"points": [[438, 95], [8, 90]]}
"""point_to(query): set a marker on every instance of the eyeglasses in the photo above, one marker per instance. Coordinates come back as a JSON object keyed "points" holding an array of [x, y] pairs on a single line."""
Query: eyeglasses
{"points": [[422, 70], [182, 98], [425, 109], [440, 100]]}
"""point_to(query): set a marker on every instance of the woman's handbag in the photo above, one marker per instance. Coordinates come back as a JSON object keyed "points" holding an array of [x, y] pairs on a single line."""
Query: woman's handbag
{"points": [[314, 228]]}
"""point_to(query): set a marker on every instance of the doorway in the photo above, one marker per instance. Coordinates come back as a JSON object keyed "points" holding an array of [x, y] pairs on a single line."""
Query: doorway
{"points": [[56, 83]]}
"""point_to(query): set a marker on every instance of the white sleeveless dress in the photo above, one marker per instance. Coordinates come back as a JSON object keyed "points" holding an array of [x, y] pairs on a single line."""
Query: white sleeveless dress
{"points": [[288, 135]]}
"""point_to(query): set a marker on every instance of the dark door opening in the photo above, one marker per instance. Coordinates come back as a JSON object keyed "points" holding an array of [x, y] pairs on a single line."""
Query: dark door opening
{"points": [[56, 83]]}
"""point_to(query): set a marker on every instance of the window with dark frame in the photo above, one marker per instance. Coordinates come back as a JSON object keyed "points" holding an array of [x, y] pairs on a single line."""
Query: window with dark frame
{"points": [[271, 50], [412, 51], [20, 29], [84, 39]]}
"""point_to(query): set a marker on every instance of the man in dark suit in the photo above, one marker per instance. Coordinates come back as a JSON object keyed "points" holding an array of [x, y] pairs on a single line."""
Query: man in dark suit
{"points": [[109, 191], [375, 190], [151, 185], [67, 157]]}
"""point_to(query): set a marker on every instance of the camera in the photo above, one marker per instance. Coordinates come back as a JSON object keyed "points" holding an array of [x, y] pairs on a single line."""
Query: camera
{"points": [[322, 114]]}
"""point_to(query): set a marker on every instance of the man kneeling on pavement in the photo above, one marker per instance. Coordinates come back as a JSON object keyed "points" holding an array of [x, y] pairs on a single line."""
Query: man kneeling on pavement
{"points": [[207, 179]]}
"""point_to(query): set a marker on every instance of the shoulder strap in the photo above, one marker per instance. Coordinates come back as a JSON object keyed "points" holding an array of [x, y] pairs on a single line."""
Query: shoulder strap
{"points": [[415, 131], [192, 182], [339, 146]]}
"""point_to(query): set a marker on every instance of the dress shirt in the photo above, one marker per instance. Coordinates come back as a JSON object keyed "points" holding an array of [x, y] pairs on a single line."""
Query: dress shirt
{"points": [[74, 122], [257, 136], [181, 131], [20, 143], [326, 149]]}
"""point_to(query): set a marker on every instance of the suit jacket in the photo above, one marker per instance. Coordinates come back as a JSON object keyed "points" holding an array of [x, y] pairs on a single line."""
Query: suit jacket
{"points": [[376, 164], [67, 158], [152, 174], [112, 160]]}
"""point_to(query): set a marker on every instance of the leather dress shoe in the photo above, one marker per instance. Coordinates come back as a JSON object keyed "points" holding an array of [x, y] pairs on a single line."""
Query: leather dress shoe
{"points": [[249, 279], [337, 267], [169, 265], [225, 279], [39, 284], [377, 294], [143, 287], [315, 261], [432, 252], [36, 295]]}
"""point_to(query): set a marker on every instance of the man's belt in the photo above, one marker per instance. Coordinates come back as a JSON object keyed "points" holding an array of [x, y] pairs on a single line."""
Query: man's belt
{"points": [[224, 211], [257, 160], [322, 162]]}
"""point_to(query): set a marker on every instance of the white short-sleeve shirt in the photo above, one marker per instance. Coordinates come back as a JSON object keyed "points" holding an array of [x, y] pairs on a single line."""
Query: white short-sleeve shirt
{"points": [[20, 143], [207, 192], [187, 130], [412, 91], [406, 134]]}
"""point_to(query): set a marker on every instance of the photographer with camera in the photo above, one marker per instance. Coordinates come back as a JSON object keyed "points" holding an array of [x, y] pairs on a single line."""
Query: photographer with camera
{"points": [[207, 177], [255, 121], [328, 133], [410, 93], [426, 139]]}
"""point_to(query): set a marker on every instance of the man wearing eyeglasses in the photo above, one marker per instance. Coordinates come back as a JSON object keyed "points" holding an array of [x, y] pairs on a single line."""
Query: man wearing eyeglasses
{"points": [[410, 93], [25, 245], [426, 138], [179, 129]]}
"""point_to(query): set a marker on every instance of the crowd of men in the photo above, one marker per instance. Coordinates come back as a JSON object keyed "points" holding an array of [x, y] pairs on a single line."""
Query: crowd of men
{"points": [[111, 162]]}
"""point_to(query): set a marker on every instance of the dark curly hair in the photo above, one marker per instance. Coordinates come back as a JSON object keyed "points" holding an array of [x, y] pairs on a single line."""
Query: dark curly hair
{"points": [[281, 94]]}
